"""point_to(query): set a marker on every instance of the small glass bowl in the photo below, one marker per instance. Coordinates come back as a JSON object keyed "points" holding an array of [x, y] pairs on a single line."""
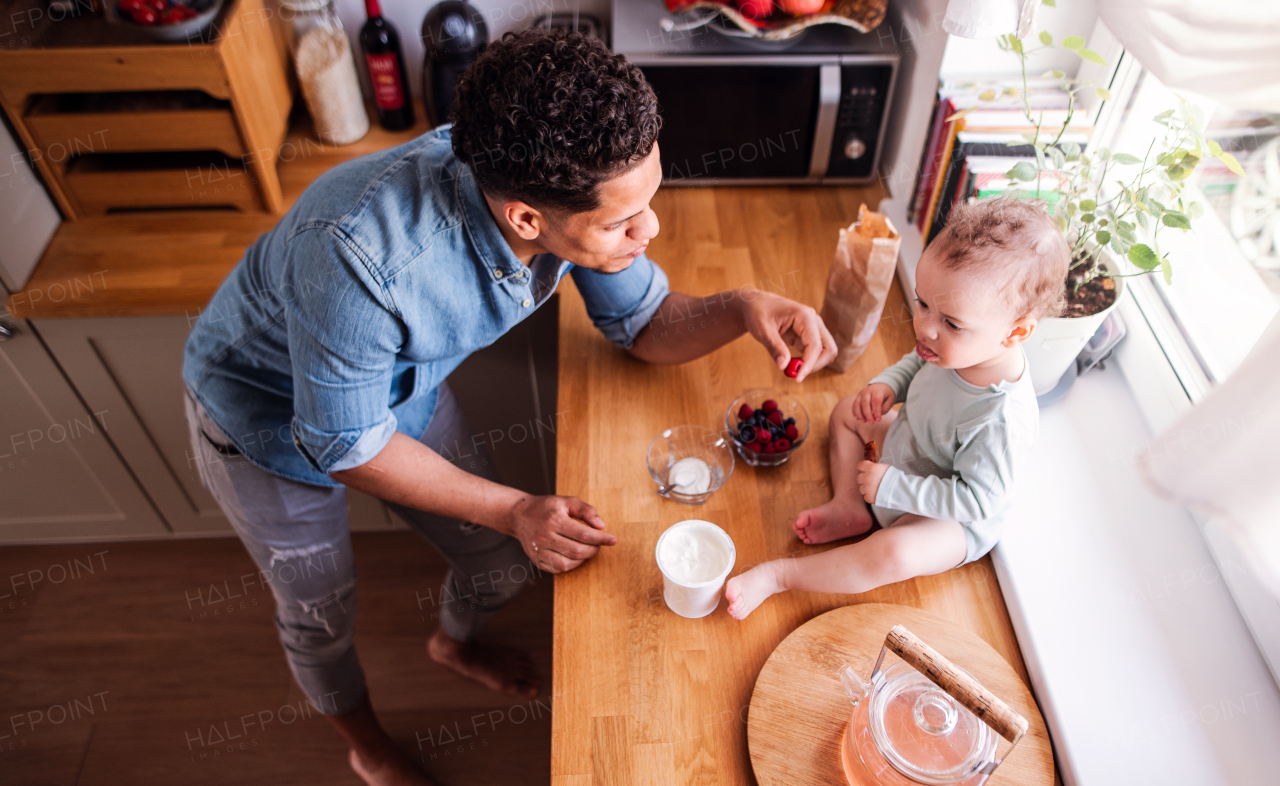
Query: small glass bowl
{"points": [[683, 442], [787, 405]]}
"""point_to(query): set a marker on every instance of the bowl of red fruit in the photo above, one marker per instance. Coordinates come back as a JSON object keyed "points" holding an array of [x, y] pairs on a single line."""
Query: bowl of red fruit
{"points": [[767, 426], [772, 20], [166, 20]]}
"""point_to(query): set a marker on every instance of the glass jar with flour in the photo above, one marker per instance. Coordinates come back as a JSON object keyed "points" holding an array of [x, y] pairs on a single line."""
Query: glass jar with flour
{"points": [[326, 70]]}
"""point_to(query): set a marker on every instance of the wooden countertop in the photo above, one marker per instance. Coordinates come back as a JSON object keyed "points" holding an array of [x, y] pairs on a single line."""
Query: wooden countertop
{"points": [[642, 696], [171, 262]]}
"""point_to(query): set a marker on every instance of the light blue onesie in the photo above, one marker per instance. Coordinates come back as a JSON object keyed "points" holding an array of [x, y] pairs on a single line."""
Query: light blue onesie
{"points": [[956, 449]]}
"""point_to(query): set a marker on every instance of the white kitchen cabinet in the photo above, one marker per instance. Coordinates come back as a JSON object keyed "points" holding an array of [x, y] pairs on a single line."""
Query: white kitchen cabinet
{"points": [[60, 476], [131, 368]]}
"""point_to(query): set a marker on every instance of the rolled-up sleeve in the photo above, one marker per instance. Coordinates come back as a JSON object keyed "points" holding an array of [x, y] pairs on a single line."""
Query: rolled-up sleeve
{"points": [[342, 368], [622, 304]]}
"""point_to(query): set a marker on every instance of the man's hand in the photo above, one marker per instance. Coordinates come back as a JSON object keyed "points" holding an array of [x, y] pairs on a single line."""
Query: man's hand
{"points": [[686, 328], [551, 529], [870, 474], [872, 402], [553, 532], [769, 317]]}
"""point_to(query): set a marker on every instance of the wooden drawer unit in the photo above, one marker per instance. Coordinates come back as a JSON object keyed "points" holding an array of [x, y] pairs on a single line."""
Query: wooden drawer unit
{"points": [[78, 123], [99, 183], [84, 95]]}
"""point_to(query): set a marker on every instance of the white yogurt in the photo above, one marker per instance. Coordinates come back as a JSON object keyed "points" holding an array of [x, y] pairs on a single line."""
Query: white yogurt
{"points": [[693, 553], [695, 558], [689, 476]]}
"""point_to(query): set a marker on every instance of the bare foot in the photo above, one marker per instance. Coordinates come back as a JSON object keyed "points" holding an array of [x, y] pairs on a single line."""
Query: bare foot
{"points": [[503, 669], [393, 769], [832, 521], [748, 590]]}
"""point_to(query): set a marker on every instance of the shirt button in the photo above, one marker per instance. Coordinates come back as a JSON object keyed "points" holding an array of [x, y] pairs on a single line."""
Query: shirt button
{"points": [[527, 302], [497, 274]]}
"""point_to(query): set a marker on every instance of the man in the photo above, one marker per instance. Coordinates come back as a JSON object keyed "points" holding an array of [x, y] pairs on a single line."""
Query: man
{"points": [[320, 363]]}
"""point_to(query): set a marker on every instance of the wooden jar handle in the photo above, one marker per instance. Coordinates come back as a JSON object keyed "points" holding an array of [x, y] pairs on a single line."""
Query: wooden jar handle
{"points": [[956, 683]]}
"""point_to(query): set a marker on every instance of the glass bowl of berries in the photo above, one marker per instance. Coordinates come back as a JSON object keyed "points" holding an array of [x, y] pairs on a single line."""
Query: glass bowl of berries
{"points": [[767, 426]]}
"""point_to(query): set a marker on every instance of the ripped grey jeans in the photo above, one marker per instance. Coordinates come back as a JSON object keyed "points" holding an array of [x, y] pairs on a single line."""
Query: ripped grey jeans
{"points": [[298, 536]]}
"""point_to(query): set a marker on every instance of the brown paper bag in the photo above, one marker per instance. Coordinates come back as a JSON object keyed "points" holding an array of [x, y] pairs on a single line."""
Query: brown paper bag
{"points": [[858, 284]]}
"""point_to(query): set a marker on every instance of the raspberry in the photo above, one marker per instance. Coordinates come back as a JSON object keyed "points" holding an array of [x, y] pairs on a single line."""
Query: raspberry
{"points": [[769, 406], [745, 412], [754, 447], [768, 448], [793, 367], [763, 436], [775, 417], [781, 445], [792, 432]]}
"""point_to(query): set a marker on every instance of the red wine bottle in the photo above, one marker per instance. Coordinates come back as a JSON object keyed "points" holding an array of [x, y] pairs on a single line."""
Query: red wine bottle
{"points": [[382, 54]]}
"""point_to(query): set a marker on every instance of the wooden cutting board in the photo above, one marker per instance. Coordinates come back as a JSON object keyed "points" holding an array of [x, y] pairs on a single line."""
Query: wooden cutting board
{"points": [[799, 710]]}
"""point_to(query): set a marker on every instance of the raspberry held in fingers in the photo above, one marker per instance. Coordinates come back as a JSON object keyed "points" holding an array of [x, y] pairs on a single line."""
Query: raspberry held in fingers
{"points": [[793, 367]]}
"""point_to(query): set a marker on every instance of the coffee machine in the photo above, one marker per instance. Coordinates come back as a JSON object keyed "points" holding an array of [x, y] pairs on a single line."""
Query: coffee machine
{"points": [[453, 34]]}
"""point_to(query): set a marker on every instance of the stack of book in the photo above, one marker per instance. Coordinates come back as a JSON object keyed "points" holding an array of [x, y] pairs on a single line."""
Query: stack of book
{"points": [[967, 155]]}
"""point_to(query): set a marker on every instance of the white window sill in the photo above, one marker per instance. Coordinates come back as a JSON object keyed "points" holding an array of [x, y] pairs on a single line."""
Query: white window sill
{"points": [[1143, 666]]}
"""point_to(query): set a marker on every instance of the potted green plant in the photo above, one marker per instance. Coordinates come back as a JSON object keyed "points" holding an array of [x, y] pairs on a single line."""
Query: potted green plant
{"points": [[1111, 207]]}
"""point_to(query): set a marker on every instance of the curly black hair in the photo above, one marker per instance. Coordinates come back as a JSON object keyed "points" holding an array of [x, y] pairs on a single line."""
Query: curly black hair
{"points": [[546, 116]]}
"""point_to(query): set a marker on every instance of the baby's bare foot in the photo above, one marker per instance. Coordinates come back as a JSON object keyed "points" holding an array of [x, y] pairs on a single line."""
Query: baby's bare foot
{"points": [[748, 590], [832, 521]]}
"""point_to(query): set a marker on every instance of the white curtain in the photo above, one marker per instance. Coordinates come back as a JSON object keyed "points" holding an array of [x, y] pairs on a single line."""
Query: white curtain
{"points": [[1223, 457], [1228, 50]]}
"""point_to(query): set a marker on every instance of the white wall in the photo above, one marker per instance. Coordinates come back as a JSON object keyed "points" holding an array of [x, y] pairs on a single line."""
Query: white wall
{"points": [[499, 15], [981, 57]]}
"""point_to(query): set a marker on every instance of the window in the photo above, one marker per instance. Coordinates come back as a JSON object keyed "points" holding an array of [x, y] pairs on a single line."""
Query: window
{"points": [[1225, 288], [1226, 272]]}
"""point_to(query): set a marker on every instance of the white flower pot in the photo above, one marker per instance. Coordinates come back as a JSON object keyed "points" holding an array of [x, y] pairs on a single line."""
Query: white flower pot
{"points": [[1057, 341]]}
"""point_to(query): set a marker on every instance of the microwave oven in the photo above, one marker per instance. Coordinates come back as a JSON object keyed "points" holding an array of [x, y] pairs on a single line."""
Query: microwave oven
{"points": [[748, 113]]}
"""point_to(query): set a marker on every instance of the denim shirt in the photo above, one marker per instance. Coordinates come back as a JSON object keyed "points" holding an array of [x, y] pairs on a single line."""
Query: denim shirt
{"points": [[337, 326]]}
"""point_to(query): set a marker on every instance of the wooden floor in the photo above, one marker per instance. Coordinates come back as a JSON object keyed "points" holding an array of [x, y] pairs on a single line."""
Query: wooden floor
{"points": [[160, 676]]}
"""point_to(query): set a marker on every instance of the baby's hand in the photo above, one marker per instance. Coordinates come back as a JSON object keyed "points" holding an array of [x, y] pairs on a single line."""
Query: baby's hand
{"points": [[872, 402], [869, 476]]}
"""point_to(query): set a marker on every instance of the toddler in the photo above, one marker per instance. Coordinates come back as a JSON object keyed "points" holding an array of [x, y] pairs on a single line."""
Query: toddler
{"points": [[951, 455]]}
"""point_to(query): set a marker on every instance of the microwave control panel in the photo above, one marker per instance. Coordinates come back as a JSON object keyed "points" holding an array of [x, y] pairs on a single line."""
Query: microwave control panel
{"points": [[864, 91]]}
